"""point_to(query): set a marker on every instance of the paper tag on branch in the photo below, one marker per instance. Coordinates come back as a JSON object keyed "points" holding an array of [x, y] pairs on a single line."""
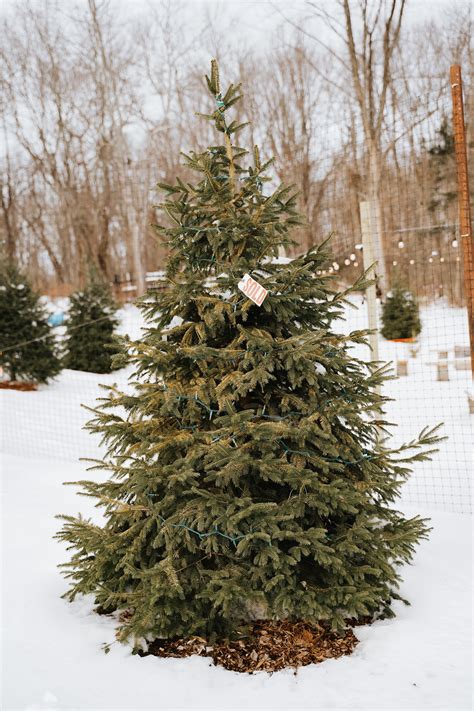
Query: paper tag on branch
{"points": [[252, 289]]}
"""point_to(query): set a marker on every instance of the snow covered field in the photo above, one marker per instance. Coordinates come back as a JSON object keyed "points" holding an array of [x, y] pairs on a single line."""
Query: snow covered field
{"points": [[48, 423], [52, 657]]}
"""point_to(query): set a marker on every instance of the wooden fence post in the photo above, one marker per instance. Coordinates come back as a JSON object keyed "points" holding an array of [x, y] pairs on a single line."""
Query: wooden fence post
{"points": [[465, 224], [367, 218], [368, 226]]}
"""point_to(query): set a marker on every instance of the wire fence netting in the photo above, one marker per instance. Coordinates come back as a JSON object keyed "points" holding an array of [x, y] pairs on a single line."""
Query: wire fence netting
{"points": [[418, 228]]}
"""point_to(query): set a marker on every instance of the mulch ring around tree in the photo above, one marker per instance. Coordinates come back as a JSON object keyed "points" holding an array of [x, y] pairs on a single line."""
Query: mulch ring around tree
{"points": [[17, 385], [268, 646]]}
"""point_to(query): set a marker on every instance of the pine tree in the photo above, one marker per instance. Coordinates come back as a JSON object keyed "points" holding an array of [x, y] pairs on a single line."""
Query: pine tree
{"points": [[442, 170], [27, 346], [400, 315], [90, 341], [248, 474]]}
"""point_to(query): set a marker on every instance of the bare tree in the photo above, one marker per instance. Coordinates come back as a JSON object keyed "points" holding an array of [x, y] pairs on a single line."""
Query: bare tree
{"points": [[95, 112], [292, 98], [365, 38], [8, 201], [70, 99]]}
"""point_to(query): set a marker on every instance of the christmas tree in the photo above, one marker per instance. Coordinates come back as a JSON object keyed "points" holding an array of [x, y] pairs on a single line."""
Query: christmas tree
{"points": [[248, 472], [400, 315], [90, 341], [27, 346]]}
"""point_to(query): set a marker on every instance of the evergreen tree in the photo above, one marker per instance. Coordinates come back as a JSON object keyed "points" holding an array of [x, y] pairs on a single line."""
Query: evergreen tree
{"points": [[400, 315], [27, 346], [90, 341], [442, 170], [248, 472]]}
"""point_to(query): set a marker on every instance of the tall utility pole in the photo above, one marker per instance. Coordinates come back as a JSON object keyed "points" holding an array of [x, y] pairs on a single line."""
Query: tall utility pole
{"points": [[465, 225]]}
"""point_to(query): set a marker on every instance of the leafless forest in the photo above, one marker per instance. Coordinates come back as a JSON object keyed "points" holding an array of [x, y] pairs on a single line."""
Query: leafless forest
{"points": [[351, 98]]}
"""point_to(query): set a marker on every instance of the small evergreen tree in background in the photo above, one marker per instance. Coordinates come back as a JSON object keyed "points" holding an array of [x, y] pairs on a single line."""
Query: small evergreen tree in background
{"points": [[27, 345], [400, 315], [90, 342], [248, 475]]}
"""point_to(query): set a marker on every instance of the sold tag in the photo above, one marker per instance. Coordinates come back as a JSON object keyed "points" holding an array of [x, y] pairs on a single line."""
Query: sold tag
{"points": [[252, 289]]}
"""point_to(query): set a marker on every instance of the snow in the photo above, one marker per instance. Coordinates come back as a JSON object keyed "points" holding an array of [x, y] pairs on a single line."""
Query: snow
{"points": [[52, 652], [52, 649], [51, 419], [421, 400]]}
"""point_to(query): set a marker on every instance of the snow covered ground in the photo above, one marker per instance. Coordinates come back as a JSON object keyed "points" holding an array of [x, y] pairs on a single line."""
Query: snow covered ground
{"points": [[51, 650], [48, 423], [421, 400]]}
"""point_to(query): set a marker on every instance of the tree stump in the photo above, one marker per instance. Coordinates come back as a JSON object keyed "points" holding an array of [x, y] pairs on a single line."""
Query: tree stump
{"points": [[470, 400], [402, 367], [443, 372]]}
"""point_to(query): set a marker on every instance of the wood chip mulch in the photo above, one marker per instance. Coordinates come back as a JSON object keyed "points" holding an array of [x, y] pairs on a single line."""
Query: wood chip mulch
{"points": [[268, 646], [17, 385]]}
